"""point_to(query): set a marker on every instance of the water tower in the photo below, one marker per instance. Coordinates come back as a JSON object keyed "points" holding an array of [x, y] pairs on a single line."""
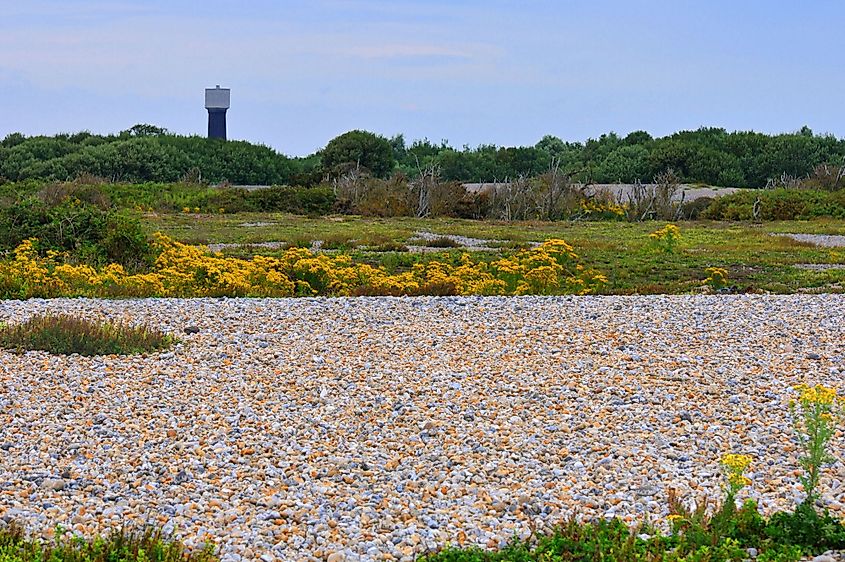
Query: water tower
{"points": [[217, 102]]}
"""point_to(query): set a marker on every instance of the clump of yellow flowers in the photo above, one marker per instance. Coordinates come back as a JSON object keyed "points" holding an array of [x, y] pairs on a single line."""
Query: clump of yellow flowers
{"points": [[815, 416], [735, 467], [666, 238], [182, 270], [717, 277], [602, 210]]}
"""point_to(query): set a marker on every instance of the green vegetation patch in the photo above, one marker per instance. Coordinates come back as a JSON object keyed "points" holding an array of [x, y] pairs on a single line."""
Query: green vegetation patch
{"points": [[149, 545], [62, 334], [778, 205], [77, 220], [752, 255], [728, 535]]}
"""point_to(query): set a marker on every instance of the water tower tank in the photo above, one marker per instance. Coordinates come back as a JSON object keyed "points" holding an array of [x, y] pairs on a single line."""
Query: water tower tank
{"points": [[217, 102]]}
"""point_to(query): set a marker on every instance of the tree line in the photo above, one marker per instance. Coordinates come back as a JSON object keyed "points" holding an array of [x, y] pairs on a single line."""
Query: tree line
{"points": [[143, 153]]}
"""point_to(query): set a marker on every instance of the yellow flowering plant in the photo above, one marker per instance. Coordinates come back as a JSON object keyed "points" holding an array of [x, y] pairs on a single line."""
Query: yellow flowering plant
{"points": [[181, 270], [735, 466], [600, 210], [549, 269], [717, 277], [666, 238], [700, 521], [815, 415]]}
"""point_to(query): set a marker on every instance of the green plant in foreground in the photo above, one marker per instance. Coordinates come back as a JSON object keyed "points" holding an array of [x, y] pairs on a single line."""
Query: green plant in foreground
{"points": [[727, 528], [63, 334], [123, 545], [815, 415]]}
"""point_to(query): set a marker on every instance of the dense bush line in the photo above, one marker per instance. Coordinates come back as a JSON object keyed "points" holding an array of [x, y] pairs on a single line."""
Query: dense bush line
{"points": [[177, 196], [711, 156], [141, 154]]}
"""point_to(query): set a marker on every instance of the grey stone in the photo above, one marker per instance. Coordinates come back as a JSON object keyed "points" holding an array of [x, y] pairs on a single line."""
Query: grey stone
{"points": [[56, 484]]}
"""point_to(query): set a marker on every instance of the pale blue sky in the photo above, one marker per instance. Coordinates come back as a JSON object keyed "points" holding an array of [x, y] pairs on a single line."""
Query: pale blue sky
{"points": [[472, 72]]}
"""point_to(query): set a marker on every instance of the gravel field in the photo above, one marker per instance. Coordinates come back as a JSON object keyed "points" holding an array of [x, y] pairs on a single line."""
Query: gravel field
{"points": [[377, 428], [825, 240]]}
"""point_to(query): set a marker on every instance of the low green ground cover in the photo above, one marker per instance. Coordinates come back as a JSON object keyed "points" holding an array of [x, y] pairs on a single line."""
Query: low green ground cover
{"points": [[63, 334], [120, 546], [98, 223], [753, 256], [730, 535]]}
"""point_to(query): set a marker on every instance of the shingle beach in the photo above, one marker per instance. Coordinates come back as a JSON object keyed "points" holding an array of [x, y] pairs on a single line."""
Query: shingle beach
{"points": [[379, 428]]}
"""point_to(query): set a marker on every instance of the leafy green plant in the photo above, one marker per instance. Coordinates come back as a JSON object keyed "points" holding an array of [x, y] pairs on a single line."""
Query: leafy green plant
{"points": [[702, 527], [63, 334], [78, 220], [807, 529]]}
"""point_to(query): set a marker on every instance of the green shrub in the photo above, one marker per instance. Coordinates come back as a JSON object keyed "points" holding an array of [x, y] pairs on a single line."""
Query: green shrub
{"points": [[78, 220], [358, 149], [63, 334], [805, 527], [777, 204], [148, 545], [692, 210], [297, 200]]}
